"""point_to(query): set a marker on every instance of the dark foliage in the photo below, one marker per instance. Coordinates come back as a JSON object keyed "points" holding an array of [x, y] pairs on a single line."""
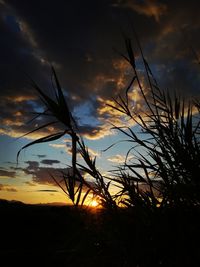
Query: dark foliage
{"points": [[70, 236], [153, 219]]}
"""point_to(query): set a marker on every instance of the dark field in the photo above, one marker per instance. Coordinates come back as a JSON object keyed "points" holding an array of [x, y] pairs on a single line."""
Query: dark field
{"points": [[68, 236]]}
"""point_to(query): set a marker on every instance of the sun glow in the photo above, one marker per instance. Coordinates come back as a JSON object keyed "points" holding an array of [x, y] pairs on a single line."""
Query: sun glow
{"points": [[94, 203]]}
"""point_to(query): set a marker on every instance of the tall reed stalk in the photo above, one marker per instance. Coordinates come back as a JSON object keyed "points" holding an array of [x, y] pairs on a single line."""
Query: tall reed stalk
{"points": [[165, 174]]}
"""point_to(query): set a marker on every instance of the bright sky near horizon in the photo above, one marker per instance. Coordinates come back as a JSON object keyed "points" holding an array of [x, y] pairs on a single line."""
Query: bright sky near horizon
{"points": [[78, 37]]}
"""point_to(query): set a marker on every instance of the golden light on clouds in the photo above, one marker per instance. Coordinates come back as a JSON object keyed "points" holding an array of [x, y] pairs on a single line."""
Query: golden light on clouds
{"points": [[9, 122], [109, 116], [18, 133], [97, 134], [100, 80], [68, 149], [116, 78], [123, 68], [21, 98], [8, 188], [18, 114], [105, 109]]}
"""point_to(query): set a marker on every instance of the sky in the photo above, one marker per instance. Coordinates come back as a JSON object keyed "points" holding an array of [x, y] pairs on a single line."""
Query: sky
{"points": [[80, 39]]}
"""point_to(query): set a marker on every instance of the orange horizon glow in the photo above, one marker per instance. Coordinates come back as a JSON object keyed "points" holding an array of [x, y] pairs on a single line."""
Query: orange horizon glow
{"points": [[94, 203]]}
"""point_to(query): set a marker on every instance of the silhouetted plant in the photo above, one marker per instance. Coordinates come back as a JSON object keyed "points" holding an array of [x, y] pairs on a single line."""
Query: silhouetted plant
{"points": [[167, 171], [155, 186], [73, 183], [165, 174]]}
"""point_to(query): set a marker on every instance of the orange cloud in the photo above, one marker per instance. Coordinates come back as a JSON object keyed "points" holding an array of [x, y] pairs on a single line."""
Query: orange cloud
{"points": [[19, 132], [5, 187], [21, 98], [18, 114], [93, 153], [109, 116], [149, 8], [106, 115], [97, 133], [116, 78], [9, 122]]}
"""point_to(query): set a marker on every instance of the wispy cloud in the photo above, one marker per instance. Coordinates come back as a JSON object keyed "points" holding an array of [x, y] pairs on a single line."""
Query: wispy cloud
{"points": [[149, 8], [40, 155], [119, 158], [47, 190], [27, 33], [58, 145], [8, 188]]}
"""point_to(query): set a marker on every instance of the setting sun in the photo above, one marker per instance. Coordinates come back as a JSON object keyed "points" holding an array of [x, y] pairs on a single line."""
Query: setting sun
{"points": [[94, 203]]}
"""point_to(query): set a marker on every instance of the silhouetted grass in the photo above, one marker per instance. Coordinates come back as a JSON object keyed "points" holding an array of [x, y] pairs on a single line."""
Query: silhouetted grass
{"points": [[165, 174], [153, 219], [169, 166]]}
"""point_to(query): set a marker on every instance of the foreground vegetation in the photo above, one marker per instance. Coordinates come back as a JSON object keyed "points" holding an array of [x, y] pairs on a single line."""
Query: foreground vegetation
{"points": [[153, 218], [70, 236], [164, 174]]}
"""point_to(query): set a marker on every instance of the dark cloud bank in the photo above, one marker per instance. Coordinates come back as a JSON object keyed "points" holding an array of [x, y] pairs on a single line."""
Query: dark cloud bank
{"points": [[77, 37]]}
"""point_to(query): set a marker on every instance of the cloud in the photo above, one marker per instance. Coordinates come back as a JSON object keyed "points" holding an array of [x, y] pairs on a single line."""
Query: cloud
{"points": [[120, 159], [32, 165], [91, 72], [93, 153], [7, 174], [30, 36], [27, 33], [42, 175], [109, 116], [66, 147], [49, 161], [40, 155], [29, 183], [149, 8], [47, 190], [58, 145], [8, 188]]}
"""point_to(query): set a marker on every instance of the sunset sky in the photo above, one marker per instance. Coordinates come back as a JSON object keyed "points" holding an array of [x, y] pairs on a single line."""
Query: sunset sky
{"points": [[77, 38]]}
